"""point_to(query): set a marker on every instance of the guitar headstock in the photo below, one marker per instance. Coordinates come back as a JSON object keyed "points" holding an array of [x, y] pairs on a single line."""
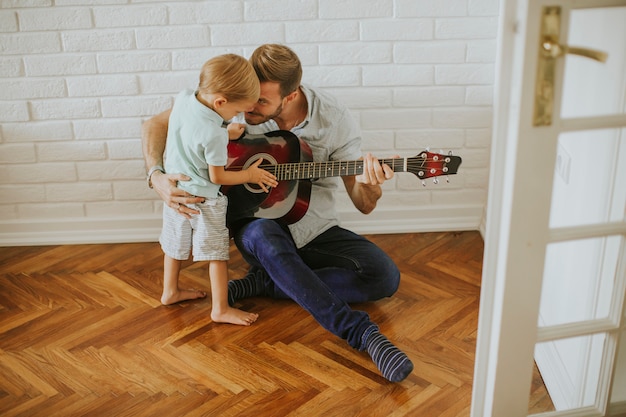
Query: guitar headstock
{"points": [[428, 164]]}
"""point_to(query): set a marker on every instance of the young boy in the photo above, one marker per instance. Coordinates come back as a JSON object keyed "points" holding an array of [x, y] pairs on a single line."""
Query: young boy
{"points": [[197, 147]]}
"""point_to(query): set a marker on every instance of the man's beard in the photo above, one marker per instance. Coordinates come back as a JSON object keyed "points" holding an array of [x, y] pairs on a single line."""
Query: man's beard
{"points": [[264, 119]]}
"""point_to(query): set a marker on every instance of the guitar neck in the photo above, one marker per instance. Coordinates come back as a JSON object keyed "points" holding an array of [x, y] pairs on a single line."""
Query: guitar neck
{"points": [[311, 170]]}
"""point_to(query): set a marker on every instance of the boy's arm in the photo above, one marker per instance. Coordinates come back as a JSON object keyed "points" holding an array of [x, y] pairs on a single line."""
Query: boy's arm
{"points": [[253, 175]]}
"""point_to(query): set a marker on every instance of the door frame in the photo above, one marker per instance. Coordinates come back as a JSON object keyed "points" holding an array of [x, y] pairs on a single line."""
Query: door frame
{"points": [[495, 392]]}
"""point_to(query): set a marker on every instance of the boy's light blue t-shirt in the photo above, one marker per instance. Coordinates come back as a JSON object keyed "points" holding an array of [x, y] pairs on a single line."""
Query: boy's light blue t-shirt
{"points": [[195, 140]]}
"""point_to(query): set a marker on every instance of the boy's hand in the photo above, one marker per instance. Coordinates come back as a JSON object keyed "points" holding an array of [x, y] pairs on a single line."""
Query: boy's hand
{"points": [[235, 130], [260, 176]]}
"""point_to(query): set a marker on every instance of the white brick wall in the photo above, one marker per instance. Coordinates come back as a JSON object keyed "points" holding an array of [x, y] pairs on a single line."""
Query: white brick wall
{"points": [[78, 77]]}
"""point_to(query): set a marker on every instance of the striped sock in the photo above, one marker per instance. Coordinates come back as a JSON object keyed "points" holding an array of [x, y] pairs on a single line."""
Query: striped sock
{"points": [[249, 286], [390, 361]]}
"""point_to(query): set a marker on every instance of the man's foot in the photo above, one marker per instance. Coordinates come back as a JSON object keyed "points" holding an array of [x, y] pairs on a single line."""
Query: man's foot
{"points": [[234, 316], [249, 286], [390, 361], [181, 295]]}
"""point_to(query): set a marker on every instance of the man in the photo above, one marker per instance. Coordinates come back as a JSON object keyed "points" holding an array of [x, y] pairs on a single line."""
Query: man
{"points": [[314, 262]]}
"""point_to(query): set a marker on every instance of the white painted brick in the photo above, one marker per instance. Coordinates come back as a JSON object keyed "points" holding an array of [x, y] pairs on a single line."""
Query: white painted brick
{"points": [[376, 141], [484, 7], [466, 28], [54, 18], [392, 75], [102, 85], [465, 74], [269, 10], [363, 98], [479, 95], [237, 34], [84, 2], [474, 158], [133, 190], [321, 31], [172, 37], [26, 3], [355, 53], [395, 199], [354, 9], [125, 149], [52, 211], [428, 96], [14, 153], [119, 209], [64, 109], [14, 111], [459, 196], [29, 43], [22, 193], [79, 191], [478, 138], [193, 59], [430, 8], [22, 88], [435, 139], [98, 40], [133, 62], [37, 173], [110, 170], [134, 106], [395, 119], [481, 51], [397, 30], [71, 151], [337, 76], [467, 117], [37, 131], [169, 82], [11, 67], [8, 211], [474, 178], [429, 52], [130, 16], [53, 65], [107, 129], [184, 13], [8, 21]]}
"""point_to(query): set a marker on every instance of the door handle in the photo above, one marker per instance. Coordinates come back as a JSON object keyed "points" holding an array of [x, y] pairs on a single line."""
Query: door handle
{"points": [[549, 50], [555, 50]]}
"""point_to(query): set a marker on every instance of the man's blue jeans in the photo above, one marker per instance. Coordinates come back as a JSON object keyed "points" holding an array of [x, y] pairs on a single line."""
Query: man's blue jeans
{"points": [[337, 268]]}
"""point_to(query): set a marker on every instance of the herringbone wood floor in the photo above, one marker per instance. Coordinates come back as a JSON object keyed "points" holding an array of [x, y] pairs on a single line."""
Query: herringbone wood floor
{"points": [[82, 333]]}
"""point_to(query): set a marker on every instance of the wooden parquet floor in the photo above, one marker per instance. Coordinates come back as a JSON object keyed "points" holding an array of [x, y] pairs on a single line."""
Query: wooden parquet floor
{"points": [[82, 333]]}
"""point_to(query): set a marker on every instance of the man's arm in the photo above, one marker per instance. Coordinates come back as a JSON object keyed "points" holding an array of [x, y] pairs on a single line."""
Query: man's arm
{"points": [[364, 190], [153, 138]]}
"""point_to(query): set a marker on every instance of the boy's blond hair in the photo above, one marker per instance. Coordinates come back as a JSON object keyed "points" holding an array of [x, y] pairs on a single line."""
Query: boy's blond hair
{"points": [[231, 76]]}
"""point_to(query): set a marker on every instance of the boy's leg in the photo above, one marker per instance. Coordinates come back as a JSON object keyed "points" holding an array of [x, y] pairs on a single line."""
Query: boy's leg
{"points": [[221, 311], [171, 293]]}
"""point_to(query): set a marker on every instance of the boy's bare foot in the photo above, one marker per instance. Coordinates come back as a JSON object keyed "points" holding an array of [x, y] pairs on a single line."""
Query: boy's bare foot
{"points": [[181, 295], [234, 316]]}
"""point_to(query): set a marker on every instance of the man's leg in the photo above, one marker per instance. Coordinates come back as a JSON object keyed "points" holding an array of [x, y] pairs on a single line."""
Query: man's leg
{"points": [[267, 245]]}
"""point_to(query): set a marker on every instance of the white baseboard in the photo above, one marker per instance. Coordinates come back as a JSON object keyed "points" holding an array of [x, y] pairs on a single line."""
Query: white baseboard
{"points": [[147, 229]]}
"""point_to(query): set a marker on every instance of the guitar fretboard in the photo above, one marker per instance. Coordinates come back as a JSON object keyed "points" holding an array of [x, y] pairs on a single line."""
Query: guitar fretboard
{"points": [[310, 170]]}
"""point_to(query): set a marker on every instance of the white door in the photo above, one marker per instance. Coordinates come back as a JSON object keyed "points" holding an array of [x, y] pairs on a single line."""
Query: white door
{"points": [[554, 273]]}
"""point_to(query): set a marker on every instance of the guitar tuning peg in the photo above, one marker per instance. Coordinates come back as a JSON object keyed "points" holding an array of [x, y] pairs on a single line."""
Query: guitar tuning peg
{"points": [[423, 183], [435, 180], [428, 149], [441, 151], [448, 179]]}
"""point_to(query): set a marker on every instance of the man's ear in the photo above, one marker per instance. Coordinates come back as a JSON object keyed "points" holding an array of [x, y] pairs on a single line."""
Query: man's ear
{"points": [[291, 96]]}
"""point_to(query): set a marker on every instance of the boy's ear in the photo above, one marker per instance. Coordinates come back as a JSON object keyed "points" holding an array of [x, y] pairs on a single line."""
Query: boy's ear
{"points": [[219, 102]]}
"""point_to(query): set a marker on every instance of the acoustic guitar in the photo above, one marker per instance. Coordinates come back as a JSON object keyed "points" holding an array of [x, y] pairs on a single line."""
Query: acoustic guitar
{"points": [[290, 159]]}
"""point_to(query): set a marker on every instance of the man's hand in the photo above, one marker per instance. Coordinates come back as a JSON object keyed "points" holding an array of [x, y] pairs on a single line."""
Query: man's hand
{"points": [[166, 186], [373, 172]]}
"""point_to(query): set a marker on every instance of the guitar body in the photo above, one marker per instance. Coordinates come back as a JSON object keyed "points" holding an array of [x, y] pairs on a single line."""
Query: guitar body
{"points": [[288, 201]]}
